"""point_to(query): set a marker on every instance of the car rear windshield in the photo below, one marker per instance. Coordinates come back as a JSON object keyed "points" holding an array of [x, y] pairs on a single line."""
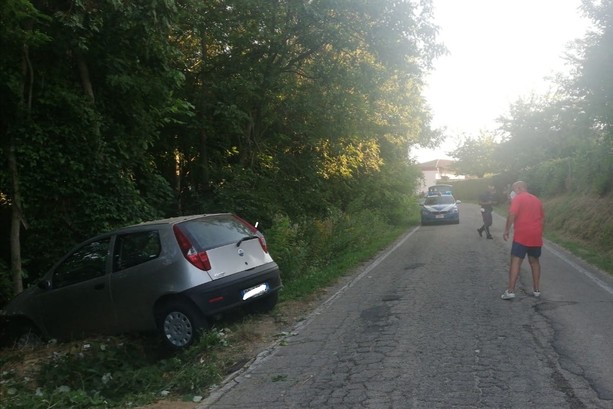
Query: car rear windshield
{"points": [[435, 200], [215, 231]]}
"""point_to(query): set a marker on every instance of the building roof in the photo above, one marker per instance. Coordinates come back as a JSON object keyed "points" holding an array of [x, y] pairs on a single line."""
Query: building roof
{"points": [[436, 164]]}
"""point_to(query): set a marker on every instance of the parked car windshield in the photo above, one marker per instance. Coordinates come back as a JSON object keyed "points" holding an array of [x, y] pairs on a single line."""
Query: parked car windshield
{"points": [[442, 189], [437, 200]]}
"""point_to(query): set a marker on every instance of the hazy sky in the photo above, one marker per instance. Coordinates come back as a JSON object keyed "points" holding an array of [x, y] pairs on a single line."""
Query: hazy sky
{"points": [[499, 51]]}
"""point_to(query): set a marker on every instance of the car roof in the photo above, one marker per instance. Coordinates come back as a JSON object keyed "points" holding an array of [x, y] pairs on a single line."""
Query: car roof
{"points": [[157, 222]]}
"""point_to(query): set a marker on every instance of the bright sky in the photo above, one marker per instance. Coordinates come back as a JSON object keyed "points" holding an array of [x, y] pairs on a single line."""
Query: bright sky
{"points": [[499, 51]]}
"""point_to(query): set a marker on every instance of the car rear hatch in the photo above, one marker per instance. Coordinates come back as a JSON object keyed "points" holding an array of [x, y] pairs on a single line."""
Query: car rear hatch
{"points": [[222, 244]]}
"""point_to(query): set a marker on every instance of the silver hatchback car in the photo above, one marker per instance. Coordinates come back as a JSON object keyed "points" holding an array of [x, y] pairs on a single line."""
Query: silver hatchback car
{"points": [[168, 275]]}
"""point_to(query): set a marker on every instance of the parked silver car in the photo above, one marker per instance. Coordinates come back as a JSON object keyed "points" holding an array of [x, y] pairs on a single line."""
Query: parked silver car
{"points": [[168, 275]]}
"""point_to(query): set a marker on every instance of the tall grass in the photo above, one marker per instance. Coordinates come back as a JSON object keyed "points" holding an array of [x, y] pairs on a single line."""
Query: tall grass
{"points": [[583, 225], [313, 254], [106, 373]]}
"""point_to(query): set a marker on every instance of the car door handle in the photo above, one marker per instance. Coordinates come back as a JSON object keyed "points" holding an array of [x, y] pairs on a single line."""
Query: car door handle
{"points": [[99, 286]]}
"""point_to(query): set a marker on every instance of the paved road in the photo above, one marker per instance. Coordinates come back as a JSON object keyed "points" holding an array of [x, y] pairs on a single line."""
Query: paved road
{"points": [[423, 326]]}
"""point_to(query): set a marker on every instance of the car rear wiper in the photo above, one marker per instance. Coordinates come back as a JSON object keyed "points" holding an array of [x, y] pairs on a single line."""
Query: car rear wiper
{"points": [[246, 238]]}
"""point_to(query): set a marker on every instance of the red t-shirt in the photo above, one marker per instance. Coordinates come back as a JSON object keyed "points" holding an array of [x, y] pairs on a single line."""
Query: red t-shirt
{"points": [[528, 223]]}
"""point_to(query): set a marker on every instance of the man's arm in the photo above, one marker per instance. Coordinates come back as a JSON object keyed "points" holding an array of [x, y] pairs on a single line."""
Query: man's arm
{"points": [[507, 227]]}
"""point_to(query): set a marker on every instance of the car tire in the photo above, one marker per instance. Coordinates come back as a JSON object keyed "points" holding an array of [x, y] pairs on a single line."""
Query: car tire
{"points": [[180, 325], [25, 335], [264, 304]]}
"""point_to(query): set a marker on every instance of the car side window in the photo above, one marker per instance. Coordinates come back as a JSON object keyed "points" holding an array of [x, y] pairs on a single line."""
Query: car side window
{"points": [[86, 263], [136, 248]]}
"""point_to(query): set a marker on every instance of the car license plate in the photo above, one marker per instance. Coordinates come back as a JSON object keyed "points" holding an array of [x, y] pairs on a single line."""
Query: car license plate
{"points": [[439, 216], [254, 291]]}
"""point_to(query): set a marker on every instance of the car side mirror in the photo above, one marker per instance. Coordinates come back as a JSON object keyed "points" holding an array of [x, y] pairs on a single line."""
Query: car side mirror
{"points": [[44, 284], [458, 201]]}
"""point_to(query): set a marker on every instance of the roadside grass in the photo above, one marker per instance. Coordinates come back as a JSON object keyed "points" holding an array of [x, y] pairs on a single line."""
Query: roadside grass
{"points": [[106, 373], [127, 372], [584, 251], [324, 273], [584, 226]]}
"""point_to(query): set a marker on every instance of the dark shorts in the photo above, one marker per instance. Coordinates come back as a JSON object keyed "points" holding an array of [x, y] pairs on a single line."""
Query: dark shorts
{"points": [[487, 218], [519, 250]]}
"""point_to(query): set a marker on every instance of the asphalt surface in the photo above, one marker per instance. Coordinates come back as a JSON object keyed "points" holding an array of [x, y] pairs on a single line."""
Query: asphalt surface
{"points": [[423, 326]]}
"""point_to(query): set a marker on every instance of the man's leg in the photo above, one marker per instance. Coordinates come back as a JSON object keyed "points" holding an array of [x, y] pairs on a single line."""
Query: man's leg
{"points": [[514, 272], [514, 267], [535, 266], [487, 216]]}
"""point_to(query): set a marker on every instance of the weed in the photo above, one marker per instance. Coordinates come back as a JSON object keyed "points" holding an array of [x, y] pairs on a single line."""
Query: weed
{"points": [[110, 373]]}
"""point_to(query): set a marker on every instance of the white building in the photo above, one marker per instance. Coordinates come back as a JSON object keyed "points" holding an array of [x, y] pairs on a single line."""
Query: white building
{"points": [[435, 172]]}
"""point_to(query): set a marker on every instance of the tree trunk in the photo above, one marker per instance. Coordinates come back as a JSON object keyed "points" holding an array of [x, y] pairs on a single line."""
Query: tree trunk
{"points": [[17, 216], [16, 219], [86, 82], [204, 157]]}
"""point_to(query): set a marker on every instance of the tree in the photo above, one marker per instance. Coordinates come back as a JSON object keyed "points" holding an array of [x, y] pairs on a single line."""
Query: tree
{"points": [[475, 156], [565, 139], [281, 83], [18, 37], [253, 106], [94, 98]]}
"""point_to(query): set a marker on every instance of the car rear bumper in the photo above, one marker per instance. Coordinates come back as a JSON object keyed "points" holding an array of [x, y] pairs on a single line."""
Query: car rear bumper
{"points": [[226, 293]]}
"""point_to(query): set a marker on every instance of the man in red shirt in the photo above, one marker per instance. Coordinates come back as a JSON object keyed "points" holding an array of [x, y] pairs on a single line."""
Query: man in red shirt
{"points": [[526, 216]]}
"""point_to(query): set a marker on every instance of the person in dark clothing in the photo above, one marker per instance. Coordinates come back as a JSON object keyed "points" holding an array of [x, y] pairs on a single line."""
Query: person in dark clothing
{"points": [[487, 202]]}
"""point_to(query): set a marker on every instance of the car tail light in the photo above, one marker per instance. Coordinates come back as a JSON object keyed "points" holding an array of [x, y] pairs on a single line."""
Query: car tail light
{"points": [[198, 259], [262, 242], [256, 232]]}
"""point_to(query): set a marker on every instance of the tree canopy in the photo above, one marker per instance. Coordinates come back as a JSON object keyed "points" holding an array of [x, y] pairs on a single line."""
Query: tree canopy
{"points": [[116, 112]]}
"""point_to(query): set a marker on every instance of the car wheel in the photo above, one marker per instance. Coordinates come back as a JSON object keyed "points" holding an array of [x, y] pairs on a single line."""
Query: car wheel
{"points": [[265, 304], [179, 325], [25, 335]]}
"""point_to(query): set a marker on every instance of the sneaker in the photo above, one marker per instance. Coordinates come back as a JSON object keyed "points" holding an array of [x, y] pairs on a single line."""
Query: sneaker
{"points": [[537, 293], [480, 232], [508, 295], [490, 237]]}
